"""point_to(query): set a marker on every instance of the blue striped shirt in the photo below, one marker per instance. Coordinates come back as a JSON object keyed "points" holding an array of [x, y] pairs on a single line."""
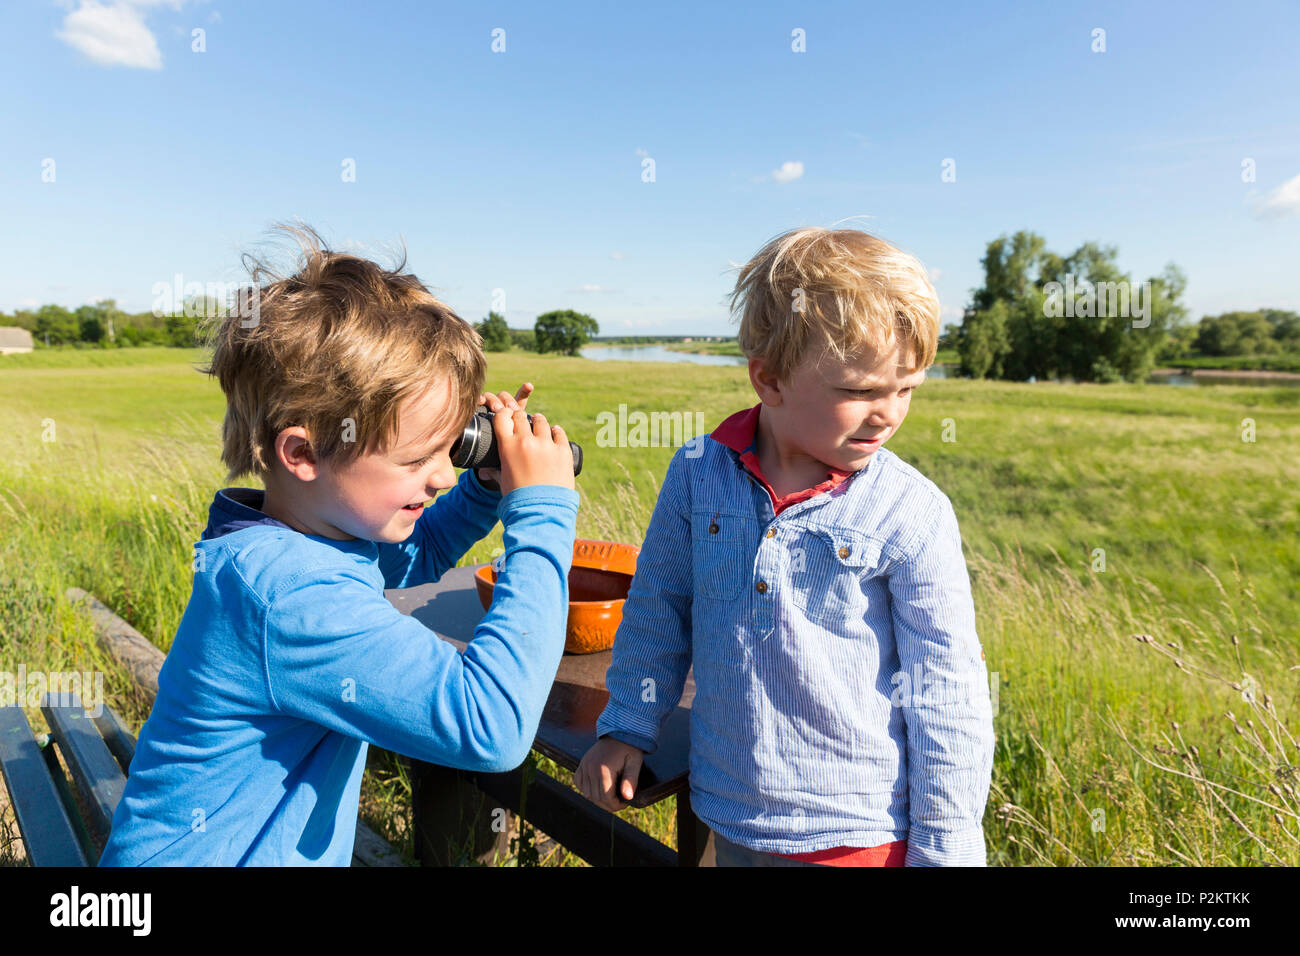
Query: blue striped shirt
{"points": [[841, 692]]}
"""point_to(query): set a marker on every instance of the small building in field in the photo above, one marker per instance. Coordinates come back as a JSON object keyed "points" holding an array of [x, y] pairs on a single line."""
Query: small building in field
{"points": [[14, 339]]}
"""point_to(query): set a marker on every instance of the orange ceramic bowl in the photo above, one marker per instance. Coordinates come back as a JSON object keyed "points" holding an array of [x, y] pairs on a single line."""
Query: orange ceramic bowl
{"points": [[598, 583]]}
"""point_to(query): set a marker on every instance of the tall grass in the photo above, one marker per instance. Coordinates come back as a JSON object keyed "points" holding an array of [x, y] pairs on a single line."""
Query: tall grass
{"points": [[1117, 738], [1146, 712]]}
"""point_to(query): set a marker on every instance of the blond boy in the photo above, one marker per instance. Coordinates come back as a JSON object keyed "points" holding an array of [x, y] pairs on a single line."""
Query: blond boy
{"points": [[842, 714]]}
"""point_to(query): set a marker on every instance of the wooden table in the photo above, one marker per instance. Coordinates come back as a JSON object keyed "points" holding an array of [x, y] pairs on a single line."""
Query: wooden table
{"points": [[453, 806]]}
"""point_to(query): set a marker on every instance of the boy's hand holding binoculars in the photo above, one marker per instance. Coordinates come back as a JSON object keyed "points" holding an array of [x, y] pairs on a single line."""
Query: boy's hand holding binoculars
{"points": [[608, 773], [536, 455]]}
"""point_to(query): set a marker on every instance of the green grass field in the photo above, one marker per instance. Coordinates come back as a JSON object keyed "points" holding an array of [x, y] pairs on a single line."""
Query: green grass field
{"points": [[1112, 749]]}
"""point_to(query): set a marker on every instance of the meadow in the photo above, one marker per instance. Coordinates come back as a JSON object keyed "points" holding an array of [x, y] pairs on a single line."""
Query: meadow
{"points": [[1132, 549]]}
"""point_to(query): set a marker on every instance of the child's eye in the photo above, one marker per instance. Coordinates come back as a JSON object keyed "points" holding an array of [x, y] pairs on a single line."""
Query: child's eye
{"points": [[423, 461], [867, 392]]}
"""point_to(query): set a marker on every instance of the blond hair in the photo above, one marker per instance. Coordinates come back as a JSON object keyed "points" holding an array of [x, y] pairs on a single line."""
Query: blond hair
{"points": [[335, 348], [841, 292]]}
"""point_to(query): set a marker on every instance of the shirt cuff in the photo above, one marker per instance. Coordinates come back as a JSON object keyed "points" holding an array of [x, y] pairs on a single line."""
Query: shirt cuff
{"points": [[618, 723], [939, 848], [634, 740]]}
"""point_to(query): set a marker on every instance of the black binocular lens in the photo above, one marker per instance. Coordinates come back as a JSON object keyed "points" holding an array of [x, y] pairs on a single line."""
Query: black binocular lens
{"points": [[477, 445]]}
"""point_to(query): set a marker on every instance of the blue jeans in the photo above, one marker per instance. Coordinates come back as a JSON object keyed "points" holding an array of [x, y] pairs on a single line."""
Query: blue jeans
{"points": [[727, 853]]}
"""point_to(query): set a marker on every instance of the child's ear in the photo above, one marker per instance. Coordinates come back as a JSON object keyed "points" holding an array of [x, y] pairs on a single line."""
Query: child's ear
{"points": [[765, 383], [294, 450]]}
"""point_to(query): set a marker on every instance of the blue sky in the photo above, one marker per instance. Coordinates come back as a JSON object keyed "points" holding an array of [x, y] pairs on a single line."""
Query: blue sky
{"points": [[521, 170]]}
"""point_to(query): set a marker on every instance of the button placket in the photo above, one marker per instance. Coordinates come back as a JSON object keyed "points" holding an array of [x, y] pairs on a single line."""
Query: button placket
{"points": [[766, 570]]}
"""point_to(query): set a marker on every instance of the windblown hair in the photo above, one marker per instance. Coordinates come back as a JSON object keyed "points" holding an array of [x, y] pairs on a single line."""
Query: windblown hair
{"points": [[335, 348], [842, 292]]}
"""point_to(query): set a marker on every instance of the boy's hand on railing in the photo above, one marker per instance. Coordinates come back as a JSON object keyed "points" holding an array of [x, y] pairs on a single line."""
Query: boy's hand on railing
{"points": [[607, 775]]}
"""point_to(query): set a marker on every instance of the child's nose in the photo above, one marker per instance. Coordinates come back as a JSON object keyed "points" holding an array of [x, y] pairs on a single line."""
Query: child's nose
{"points": [[888, 413]]}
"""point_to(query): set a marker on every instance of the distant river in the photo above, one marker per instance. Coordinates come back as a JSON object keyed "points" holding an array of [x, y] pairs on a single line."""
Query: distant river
{"points": [[659, 353], [655, 353]]}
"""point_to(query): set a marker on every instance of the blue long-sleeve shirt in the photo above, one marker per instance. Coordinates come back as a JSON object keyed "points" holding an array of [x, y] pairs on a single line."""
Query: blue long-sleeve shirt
{"points": [[841, 692], [289, 661]]}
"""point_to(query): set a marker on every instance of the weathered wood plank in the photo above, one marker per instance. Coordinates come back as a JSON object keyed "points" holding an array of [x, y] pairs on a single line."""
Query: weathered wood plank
{"points": [[120, 741], [124, 642], [572, 820], [43, 823], [96, 774], [371, 849]]}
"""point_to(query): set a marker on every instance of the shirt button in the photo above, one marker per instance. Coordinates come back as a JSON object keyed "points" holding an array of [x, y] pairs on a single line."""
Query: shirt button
{"points": [[844, 552], [761, 587], [713, 529], [771, 533]]}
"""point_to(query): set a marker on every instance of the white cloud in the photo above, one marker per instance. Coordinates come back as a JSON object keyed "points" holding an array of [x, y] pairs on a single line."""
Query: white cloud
{"points": [[588, 287], [616, 255], [214, 17], [114, 34], [788, 172], [934, 274], [1282, 201], [641, 152], [951, 311]]}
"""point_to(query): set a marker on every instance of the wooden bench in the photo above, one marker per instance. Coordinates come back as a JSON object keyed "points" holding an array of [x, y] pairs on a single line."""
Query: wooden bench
{"points": [[60, 827]]}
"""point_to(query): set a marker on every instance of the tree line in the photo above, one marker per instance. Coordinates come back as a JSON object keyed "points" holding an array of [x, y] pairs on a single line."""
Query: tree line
{"points": [[1042, 315], [105, 325], [1038, 314], [564, 331]]}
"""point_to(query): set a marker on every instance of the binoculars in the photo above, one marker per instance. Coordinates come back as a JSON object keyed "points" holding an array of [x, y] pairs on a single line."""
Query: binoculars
{"points": [[477, 445]]}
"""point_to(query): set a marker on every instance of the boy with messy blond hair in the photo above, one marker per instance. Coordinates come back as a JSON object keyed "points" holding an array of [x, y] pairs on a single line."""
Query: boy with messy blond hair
{"points": [[816, 584], [344, 396]]}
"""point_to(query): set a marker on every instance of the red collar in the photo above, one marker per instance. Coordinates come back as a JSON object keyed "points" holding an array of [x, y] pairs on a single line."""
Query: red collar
{"points": [[739, 433]]}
